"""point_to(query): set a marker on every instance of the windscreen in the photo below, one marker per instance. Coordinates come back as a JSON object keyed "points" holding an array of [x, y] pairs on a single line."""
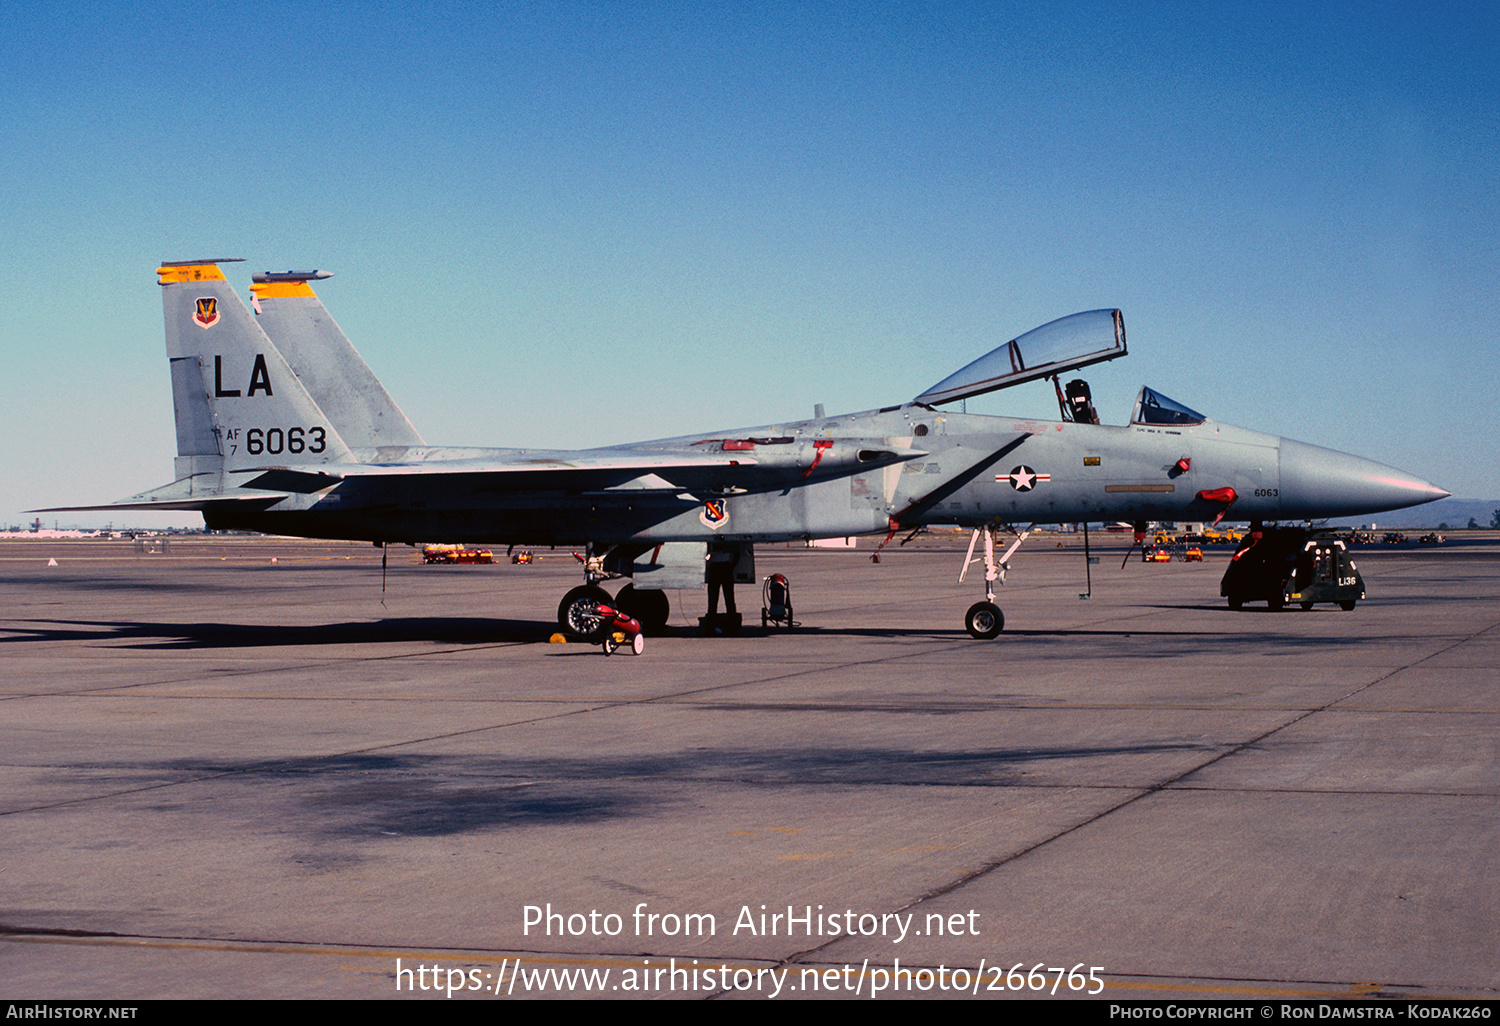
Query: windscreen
{"points": [[1151, 407]]}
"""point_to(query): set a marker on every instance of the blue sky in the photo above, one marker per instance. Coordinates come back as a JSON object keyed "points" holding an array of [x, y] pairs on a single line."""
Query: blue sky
{"points": [[578, 224]]}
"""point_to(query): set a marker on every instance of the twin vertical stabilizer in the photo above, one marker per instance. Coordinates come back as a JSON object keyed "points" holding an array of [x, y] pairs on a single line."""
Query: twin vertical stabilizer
{"points": [[237, 399], [326, 362]]}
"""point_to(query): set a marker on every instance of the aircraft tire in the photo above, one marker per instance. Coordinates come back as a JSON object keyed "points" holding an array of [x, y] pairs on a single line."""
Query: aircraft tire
{"points": [[1307, 605], [648, 605], [574, 612], [1235, 602], [984, 620], [1347, 605]]}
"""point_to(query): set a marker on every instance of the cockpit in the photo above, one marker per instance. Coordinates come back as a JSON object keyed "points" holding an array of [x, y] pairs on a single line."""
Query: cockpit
{"points": [[1065, 344]]}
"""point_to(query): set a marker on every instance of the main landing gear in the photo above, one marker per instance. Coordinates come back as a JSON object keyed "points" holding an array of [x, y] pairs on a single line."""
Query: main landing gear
{"points": [[601, 621], [576, 611], [984, 620]]}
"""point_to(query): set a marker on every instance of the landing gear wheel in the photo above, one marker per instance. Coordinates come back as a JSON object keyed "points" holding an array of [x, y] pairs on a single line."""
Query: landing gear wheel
{"points": [[1307, 605], [984, 620], [648, 605], [1235, 602], [1347, 605], [576, 613]]}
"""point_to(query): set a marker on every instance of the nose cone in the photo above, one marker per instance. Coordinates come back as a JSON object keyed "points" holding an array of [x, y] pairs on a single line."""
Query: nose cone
{"points": [[1317, 483]]}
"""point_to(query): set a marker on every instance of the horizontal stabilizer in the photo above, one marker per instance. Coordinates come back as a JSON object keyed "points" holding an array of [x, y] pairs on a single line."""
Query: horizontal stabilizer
{"points": [[220, 502], [187, 493]]}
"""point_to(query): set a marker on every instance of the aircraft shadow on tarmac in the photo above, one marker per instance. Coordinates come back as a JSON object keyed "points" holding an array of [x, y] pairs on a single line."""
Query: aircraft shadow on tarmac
{"points": [[476, 630], [370, 796], [466, 630]]}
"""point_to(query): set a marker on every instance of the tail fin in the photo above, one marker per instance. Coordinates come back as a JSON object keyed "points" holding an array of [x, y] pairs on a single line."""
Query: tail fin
{"points": [[326, 362], [238, 404]]}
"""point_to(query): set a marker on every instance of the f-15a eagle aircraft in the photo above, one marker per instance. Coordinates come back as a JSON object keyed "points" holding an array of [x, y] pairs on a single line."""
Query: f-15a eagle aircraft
{"points": [[283, 428]]}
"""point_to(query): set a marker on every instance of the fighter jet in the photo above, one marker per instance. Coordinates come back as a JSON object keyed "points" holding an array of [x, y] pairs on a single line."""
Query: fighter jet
{"points": [[283, 428]]}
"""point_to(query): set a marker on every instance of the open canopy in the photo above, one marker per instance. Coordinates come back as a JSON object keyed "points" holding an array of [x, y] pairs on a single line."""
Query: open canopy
{"points": [[1061, 345]]}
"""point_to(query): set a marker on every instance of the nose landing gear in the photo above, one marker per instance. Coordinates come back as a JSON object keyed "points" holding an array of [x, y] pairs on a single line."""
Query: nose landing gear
{"points": [[984, 620]]}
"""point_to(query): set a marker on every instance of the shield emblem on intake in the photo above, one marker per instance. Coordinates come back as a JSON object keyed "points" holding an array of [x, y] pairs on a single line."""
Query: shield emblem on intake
{"points": [[714, 514], [207, 312]]}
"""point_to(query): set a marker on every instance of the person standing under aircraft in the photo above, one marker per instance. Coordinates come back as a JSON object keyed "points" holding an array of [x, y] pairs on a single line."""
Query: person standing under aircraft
{"points": [[720, 576]]}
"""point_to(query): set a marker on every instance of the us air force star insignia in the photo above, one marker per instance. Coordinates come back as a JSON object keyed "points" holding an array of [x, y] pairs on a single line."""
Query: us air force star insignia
{"points": [[1023, 478]]}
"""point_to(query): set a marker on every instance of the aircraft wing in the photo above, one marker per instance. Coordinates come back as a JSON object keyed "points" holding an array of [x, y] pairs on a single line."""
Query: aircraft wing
{"points": [[562, 470], [1061, 345], [570, 471], [730, 467], [733, 464]]}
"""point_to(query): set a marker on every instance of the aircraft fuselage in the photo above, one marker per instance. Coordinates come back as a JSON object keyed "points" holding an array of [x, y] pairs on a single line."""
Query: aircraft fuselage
{"points": [[850, 475]]}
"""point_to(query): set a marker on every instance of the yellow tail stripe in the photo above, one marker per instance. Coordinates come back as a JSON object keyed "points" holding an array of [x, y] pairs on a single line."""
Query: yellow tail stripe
{"points": [[189, 273], [283, 290]]}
